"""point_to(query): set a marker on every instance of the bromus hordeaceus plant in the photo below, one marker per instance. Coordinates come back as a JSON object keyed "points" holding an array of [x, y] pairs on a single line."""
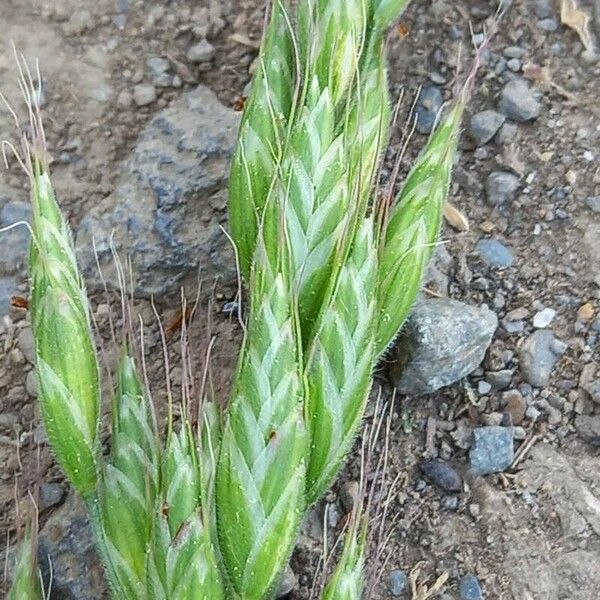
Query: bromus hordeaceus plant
{"points": [[212, 511]]}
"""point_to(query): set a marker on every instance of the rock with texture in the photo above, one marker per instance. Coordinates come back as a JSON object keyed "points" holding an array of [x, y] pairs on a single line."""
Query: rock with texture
{"points": [[144, 94], [442, 474], [494, 253], [67, 541], [202, 52], [429, 105], [501, 187], [492, 450], [484, 125], [170, 202], [518, 102], [469, 588], [398, 583], [15, 241], [538, 355], [443, 341], [7, 290]]}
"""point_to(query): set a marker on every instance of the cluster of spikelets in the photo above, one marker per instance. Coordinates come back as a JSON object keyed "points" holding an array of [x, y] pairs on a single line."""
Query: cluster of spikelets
{"points": [[212, 511]]}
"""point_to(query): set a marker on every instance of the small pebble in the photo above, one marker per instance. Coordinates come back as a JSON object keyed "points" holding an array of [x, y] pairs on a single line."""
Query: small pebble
{"points": [[443, 475], [514, 64], [501, 186], [484, 125], [469, 588], [429, 104], [450, 503], [483, 387], [398, 583], [144, 94], [201, 52], [494, 253], [51, 494], [543, 318], [593, 202], [585, 313], [547, 24], [492, 450], [518, 102]]}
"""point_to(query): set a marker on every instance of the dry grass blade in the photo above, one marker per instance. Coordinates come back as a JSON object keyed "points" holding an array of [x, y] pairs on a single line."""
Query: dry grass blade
{"points": [[421, 591], [578, 19]]}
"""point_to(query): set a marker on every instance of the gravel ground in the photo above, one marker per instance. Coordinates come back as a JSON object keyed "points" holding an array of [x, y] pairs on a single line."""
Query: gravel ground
{"points": [[495, 423]]}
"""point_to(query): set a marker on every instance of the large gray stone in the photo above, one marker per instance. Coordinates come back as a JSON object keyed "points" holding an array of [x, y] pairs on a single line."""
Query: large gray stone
{"points": [[169, 205], [443, 342], [67, 543]]}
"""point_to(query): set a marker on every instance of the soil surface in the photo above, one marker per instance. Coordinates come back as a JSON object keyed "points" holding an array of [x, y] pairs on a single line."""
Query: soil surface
{"points": [[529, 532]]}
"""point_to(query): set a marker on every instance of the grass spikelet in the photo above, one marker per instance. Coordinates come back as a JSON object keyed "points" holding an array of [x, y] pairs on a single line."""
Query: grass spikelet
{"points": [[412, 230], [261, 471]]}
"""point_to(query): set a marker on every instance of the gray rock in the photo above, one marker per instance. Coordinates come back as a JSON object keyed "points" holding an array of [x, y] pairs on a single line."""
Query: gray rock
{"points": [[14, 242], [548, 24], [494, 253], [499, 380], [169, 203], [66, 541], [202, 52], [483, 387], [158, 65], [484, 125], [51, 495], [514, 64], [469, 588], [507, 134], [26, 344], [450, 503], [31, 384], [593, 202], [442, 474], [398, 583], [159, 69], [288, 583], [543, 318], [588, 428], [518, 102], [443, 342], [500, 187], [492, 450], [428, 107], [144, 94], [538, 355], [593, 389], [542, 8], [514, 52], [7, 291]]}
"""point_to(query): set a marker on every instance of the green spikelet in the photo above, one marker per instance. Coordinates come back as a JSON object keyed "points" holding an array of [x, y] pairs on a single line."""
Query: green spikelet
{"points": [[413, 227], [66, 360], [340, 362], [314, 199], [347, 581], [185, 566], [339, 38], [27, 583], [261, 472], [263, 134], [129, 485], [387, 11]]}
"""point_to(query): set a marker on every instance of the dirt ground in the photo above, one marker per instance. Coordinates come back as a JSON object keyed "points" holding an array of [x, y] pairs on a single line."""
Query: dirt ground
{"points": [[530, 533]]}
